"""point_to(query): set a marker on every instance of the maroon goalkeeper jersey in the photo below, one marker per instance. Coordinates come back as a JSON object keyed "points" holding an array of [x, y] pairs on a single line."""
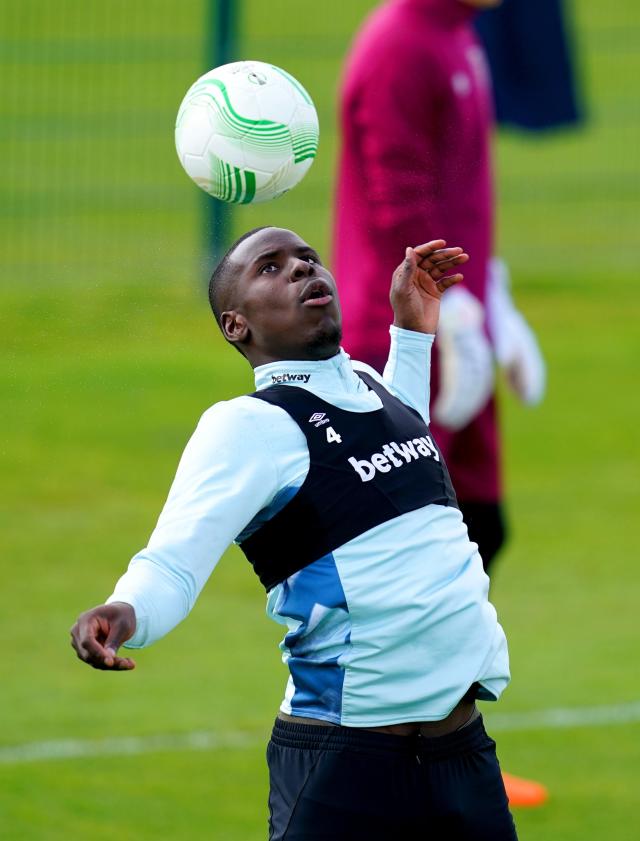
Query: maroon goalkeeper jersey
{"points": [[415, 165]]}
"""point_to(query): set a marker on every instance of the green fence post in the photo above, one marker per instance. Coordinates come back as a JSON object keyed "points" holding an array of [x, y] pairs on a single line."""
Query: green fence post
{"points": [[220, 48]]}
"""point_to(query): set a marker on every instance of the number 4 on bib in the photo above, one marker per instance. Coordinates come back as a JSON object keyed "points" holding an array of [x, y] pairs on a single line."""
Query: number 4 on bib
{"points": [[333, 436]]}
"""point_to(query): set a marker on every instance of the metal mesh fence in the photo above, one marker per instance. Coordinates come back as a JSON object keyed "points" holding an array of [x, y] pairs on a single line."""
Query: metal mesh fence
{"points": [[90, 182]]}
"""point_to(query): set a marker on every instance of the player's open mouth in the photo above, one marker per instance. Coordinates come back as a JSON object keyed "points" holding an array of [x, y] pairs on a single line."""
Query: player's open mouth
{"points": [[317, 293]]}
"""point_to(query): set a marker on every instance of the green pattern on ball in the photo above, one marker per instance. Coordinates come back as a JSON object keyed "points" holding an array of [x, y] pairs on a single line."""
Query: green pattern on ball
{"points": [[267, 136], [266, 132], [230, 183]]}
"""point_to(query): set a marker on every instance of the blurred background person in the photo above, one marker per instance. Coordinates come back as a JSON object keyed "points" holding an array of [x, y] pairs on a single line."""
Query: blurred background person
{"points": [[416, 117]]}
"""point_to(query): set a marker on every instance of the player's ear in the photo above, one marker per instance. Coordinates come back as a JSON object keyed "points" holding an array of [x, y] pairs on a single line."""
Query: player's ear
{"points": [[234, 327]]}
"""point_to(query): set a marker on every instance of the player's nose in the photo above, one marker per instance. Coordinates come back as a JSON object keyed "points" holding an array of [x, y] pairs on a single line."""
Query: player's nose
{"points": [[300, 269]]}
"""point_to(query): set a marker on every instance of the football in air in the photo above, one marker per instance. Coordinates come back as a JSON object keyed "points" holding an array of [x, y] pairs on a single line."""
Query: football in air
{"points": [[246, 132]]}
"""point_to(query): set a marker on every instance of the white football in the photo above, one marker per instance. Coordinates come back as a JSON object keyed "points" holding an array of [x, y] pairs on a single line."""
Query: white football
{"points": [[246, 132]]}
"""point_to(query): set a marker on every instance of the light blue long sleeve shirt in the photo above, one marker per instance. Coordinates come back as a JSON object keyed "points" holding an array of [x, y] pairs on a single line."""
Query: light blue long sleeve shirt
{"points": [[392, 647]]}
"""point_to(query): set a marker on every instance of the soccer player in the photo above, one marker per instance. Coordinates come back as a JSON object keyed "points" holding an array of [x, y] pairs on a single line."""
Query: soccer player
{"points": [[329, 479], [416, 122]]}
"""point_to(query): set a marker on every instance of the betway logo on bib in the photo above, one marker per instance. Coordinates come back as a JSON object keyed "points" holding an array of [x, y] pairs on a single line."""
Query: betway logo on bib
{"points": [[395, 455], [290, 378]]}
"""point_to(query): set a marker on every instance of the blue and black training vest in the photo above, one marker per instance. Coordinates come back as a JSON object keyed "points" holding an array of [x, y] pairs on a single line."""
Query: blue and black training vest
{"points": [[365, 468]]}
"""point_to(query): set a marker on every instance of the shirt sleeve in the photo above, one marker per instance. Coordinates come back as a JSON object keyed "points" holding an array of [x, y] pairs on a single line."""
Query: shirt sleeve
{"points": [[406, 374], [225, 476]]}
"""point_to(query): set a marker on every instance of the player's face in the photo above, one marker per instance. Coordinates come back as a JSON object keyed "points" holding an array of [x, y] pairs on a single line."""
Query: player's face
{"points": [[285, 302]]}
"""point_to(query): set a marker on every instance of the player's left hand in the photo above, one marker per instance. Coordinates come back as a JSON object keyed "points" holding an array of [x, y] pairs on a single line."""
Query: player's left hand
{"points": [[420, 281]]}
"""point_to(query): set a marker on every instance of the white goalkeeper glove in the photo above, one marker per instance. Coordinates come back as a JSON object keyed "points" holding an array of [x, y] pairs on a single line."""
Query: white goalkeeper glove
{"points": [[466, 360], [515, 345]]}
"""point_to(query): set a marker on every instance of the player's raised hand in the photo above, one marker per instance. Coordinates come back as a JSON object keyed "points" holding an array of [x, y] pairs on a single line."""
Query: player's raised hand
{"points": [[420, 281], [98, 634]]}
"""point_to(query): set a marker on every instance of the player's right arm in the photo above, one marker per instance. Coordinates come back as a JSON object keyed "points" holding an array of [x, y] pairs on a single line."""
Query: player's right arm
{"points": [[226, 475]]}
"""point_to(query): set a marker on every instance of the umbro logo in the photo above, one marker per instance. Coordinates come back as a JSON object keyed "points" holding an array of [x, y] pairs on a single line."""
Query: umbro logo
{"points": [[318, 419]]}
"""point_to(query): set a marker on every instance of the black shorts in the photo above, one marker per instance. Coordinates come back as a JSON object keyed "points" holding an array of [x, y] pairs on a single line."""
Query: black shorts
{"points": [[336, 783]]}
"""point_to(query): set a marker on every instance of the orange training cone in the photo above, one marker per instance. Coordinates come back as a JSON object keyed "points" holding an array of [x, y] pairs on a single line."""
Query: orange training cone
{"points": [[524, 793]]}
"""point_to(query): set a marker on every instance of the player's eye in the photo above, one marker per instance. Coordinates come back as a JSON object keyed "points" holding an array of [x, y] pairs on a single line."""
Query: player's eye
{"points": [[268, 268], [310, 258]]}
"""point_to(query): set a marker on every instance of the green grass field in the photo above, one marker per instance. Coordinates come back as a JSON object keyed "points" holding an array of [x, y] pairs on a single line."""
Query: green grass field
{"points": [[110, 355]]}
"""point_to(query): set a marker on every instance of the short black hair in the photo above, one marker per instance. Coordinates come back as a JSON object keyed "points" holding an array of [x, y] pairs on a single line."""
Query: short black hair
{"points": [[223, 277]]}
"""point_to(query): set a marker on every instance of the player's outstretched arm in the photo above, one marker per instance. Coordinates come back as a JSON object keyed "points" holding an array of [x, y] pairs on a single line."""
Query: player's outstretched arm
{"points": [[98, 634], [419, 283]]}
